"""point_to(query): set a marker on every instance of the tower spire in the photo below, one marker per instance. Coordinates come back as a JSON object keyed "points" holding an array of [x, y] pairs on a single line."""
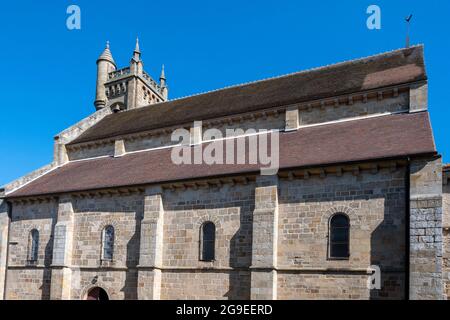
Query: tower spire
{"points": [[163, 75], [137, 51], [163, 84], [107, 55]]}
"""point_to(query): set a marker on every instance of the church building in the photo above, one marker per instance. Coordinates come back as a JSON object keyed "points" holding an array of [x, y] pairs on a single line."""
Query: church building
{"points": [[357, 208]]}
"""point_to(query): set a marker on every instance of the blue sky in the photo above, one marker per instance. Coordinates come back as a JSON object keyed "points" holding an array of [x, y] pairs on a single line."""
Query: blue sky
{"points": [[48, 71]]}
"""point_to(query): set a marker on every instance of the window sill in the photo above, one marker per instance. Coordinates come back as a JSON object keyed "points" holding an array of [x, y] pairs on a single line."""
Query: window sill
{"points": [[338, 259]]}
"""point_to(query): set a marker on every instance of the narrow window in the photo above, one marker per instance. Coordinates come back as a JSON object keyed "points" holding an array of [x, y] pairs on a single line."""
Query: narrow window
{"points": [[33, 246], [108, 243], [207, 241], [339, 237]]}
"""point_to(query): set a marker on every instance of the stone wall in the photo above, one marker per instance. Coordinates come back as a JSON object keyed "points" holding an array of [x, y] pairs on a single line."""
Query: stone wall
{"points": [[118, 284], [26, 217], [375, 205], [4, 224], [28, 283], [92, 215], [426, 247], [294, 286], [446, 263], [357, 109], [205, 284], [268, 122], [148, 142], [271, 240], [446, 205], [25, 280], [230, 208], [106, 149], [119, 276], [338, 285]]}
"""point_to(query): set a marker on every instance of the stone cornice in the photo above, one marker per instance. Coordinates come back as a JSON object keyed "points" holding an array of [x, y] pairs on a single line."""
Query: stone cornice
{"points": [[356, 169], [209, 183], [373, 167], [110, 192]]}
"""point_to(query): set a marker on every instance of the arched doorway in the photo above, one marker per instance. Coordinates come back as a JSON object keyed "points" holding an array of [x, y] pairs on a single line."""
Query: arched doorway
{"points": [[97, 293]]}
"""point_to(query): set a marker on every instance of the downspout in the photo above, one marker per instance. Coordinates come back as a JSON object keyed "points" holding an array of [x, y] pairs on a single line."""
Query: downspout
{"points": [[9, 211], [407, 225]]}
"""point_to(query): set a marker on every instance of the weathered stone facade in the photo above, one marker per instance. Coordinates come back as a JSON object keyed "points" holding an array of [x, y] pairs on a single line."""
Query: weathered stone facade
{"points": [[426, 229], [272, 233], [375, 204], [291, 214]]}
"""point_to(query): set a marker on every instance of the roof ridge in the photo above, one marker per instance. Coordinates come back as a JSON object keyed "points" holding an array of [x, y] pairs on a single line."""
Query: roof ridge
{"points": [[347, 77], [289, 74]]}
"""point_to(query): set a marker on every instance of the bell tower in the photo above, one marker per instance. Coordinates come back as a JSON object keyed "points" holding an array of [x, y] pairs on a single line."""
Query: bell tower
{"points": [[127, 88]]}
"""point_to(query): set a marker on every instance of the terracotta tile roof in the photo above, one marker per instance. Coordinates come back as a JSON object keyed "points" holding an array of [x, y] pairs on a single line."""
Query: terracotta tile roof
{"points": [[359, 140], [393, 68]]}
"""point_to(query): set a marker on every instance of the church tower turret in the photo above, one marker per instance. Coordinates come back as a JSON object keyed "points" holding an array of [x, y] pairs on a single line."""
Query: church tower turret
{"points": [[105, 65], [136, 64], [127, 88], [163, 84]]}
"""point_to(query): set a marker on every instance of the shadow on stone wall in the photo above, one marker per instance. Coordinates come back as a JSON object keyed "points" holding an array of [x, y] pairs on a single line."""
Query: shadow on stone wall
{"points": [[240, 256], [47, 274], [240, 260], [388, 249], [131, 277]]}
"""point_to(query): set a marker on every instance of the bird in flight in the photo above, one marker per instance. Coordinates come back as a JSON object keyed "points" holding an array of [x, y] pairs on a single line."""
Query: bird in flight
{"points": [[408, 19]]}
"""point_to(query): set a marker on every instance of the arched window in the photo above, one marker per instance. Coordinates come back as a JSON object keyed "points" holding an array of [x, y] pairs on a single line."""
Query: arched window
{"points": [[33, 245], [339, 236], [207, 241], [108, 243]]}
